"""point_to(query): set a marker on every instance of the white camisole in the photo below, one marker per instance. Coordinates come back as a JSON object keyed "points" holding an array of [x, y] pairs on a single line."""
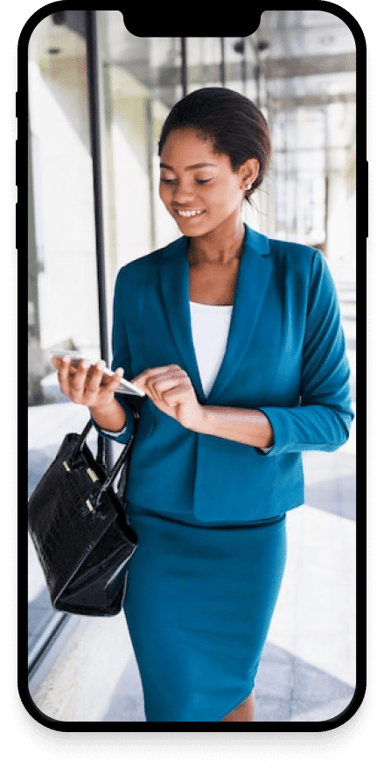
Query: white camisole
{"points": [[210, 327]]}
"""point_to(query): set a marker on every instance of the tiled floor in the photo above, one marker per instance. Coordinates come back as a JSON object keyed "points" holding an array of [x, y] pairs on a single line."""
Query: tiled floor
{"points": [[307, 673]]}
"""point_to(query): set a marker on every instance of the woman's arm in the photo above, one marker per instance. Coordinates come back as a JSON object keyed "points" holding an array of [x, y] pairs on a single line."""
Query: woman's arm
{"points": [[171, 390], [111, 419], [322, 420], [242, 425]]}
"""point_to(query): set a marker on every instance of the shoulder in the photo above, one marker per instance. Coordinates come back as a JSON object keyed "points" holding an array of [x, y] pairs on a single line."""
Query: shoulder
{"points": [[284, 254], [138, 270], [294, 256], [306, 270], [301, 269], [302, 262]]}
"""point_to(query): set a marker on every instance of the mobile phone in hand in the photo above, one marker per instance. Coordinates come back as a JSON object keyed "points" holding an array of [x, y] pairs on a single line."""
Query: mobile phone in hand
{"points": [[125, 387]]}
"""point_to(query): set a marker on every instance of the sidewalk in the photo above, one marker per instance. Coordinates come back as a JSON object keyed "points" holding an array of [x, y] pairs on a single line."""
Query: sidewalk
{"points": [[307, 672]]}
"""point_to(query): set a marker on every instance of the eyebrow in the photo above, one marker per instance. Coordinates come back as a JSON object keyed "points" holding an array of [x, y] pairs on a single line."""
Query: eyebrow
{"points": [[189, 167]]}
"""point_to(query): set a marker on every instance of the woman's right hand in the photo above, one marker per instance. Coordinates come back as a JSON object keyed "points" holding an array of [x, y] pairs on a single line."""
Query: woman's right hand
{"points": [[84, 383]]}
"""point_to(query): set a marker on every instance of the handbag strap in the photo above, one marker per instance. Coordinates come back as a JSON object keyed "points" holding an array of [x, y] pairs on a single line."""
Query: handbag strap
{"points": [[100, 458], [122, 459]]}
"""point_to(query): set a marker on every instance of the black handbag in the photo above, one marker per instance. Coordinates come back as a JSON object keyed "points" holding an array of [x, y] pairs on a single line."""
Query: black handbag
{"points": [[80, 530]]}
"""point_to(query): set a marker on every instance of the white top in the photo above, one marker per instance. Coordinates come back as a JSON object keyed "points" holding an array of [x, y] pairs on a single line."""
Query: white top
{"points": [[210, 327]]}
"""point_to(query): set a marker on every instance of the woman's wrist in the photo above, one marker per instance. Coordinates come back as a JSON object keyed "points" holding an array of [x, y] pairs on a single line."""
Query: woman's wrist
{"points": [[111, 418], [242, 425]]}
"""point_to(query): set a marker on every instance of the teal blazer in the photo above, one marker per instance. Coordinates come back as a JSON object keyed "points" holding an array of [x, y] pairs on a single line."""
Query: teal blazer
{"points": [[285, 356]]}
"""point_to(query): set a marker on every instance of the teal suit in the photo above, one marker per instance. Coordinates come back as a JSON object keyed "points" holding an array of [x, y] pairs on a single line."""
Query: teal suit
{"points": [[209, 512], [285, 356]]}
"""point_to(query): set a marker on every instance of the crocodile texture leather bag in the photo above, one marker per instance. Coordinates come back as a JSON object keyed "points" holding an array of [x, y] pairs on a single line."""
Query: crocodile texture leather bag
{"points": [[79, 527]]}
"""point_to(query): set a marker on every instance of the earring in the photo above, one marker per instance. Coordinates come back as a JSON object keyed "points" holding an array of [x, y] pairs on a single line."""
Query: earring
{"points": [[249, 186]]}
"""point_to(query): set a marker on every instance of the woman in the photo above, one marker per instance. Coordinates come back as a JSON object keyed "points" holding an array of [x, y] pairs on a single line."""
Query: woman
{"points": [[236, 341]]}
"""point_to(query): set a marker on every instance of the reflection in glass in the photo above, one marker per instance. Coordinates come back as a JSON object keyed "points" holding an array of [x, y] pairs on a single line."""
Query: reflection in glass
{"points": [[63, 264]]}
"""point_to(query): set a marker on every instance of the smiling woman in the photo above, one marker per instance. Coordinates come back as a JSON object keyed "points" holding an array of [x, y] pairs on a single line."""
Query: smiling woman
{"points": [[234, 315], [216, 462]]}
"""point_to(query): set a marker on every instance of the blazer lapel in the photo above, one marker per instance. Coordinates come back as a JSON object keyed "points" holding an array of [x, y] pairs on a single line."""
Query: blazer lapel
{"points": [[174, 284], [252, 283]]}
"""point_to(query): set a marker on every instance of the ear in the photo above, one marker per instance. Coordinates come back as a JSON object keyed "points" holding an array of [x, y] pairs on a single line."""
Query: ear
{"points": [[249, 172]]}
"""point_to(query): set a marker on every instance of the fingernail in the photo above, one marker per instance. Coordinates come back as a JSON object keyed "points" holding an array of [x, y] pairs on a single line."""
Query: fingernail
{"points": [[120, 371], [101, 365]]}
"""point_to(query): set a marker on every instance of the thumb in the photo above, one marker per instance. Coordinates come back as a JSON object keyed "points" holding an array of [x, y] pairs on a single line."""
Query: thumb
{"points": [[139, 380]]}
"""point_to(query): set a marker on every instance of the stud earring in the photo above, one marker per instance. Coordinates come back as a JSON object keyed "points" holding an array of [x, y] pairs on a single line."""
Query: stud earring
{"points": [[249, 186]]}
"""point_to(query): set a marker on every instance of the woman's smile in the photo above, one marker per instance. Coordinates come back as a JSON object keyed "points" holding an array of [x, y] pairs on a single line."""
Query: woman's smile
{"points": [[188, 213], [197, 185]]}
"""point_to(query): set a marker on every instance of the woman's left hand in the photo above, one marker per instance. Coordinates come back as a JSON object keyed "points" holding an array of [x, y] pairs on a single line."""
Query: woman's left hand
{"points": [[171, 390]]}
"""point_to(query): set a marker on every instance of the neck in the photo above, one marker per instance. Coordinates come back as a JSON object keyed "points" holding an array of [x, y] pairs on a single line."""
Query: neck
{"points": [[218, 247]]}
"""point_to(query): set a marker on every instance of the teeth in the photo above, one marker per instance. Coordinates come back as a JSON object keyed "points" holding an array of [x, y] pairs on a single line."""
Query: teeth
{"points": [[189, 213]]}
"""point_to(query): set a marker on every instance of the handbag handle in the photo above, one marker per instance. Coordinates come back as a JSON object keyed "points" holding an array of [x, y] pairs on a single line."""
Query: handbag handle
{"points": [[123, 458], [120, 461]]}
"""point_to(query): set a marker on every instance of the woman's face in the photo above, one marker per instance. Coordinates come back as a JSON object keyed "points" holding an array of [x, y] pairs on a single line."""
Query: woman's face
{"points": [[197, 186]]}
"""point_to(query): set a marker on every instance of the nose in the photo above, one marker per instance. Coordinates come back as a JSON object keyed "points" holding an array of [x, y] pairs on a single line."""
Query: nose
{"points": [[183, 193]]}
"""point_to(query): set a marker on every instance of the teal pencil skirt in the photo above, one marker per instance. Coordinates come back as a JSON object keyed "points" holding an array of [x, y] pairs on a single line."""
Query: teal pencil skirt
{"points": [[198, 605]]}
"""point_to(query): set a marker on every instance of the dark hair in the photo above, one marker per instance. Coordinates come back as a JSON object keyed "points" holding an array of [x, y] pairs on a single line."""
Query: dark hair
{"points": [[234, 124]]}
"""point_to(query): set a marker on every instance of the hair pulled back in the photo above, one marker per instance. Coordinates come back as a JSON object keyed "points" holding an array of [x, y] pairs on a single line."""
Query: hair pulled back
{"points": [[236, 127]]}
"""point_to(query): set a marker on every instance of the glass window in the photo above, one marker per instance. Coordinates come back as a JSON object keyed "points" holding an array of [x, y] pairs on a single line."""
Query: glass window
{"points": [[239, 66], [62, 188], [306, 86], [204, 62], [142, 81], [62, 282]]}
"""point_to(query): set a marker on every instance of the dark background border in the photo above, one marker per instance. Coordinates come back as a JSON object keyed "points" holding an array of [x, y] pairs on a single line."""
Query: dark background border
{"points": [[21, 736]]}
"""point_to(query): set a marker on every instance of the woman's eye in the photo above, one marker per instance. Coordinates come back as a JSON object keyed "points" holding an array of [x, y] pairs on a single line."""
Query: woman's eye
{"points": [[174, 181]]}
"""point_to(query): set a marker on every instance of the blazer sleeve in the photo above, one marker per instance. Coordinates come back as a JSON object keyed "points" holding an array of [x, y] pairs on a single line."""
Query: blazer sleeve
{"points": [[322, 420], [121, 358]]}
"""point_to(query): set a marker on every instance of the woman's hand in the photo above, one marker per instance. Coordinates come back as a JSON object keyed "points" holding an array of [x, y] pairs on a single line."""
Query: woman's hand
{"points": [[83, 383], [171, 390], [87, 384]]}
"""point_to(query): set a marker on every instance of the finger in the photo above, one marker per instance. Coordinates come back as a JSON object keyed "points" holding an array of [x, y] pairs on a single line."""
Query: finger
{"points": [[93, 380], [163, 383], [77, 380], [171, 373], [176, 395], [111, 383], [139, 380], [153, 372], [63, 374], [56, 361], [143, 382], [150, 379]]}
